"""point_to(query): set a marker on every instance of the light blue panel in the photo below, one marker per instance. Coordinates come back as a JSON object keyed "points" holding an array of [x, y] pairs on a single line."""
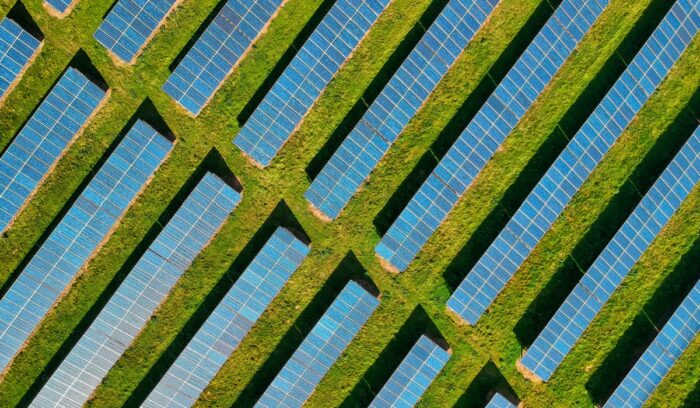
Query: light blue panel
{"points": [[17, 47], [487, 130], [123, 317], [398, 102], [82, 230], [60, 6], [130, 25], [303, 81], [573, 166], [413, 376], [221, 46], [499, 401], [617, 259], [297, 380], [230, 322], [661, 355], [43, 140]]}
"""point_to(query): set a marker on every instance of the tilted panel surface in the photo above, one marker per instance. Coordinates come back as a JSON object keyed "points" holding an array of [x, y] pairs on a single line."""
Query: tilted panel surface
{"points": [[17, 47], [499, 401], [60, 6]]}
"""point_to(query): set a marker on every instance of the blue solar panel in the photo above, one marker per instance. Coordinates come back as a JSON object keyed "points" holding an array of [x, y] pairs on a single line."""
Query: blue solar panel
{"points": [[17, 48], [230, 322], [297, 380], [82, 230], [499, 401], [573, 166], [485, 133], [43, 140], [131, 24], [191, 228], [60, 7], [398, 102], [218, 51], [661, 355], [615, 262], [413, 376], [301, 83]]}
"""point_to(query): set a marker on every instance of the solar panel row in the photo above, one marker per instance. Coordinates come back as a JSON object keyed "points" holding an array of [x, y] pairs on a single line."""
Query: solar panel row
{"points": [[413, 376], [131, 24], [484, 134], [17, 49], [81, 231], [573, 166], [615, 262], [123, 317], [499, 401], [60, 8], [303, 81], [222, 45], [398, 102], [661, 355], [297, 380], [230, 322], [42, 141]]}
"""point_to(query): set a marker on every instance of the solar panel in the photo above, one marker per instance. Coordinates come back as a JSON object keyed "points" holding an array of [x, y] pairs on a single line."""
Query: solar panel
{"points": [[487, 130], [123, 317], [398, 102], [60, 8], [302, 82], [81, 231], [42, 141], [661, 355], [615, 262], [230, 322], [222, 45], [130, 25], [499, 401], [297, 380], [413, 376], [573, 166], [17, 49]]}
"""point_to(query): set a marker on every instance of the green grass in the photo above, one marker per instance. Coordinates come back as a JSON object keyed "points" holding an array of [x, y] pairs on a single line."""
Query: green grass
{"points": [[494, 339]]}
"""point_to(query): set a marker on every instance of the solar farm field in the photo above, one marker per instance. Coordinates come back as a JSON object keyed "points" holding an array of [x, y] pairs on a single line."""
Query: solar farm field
{"points": [[220, 213]]}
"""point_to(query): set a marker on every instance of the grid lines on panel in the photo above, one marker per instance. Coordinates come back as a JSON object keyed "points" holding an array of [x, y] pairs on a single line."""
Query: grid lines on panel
{"points": [[487, 130], [661, 355], [573, 166], [297, 380], [303, 81], [42, 141], [130, 25], [230, 321], [499, 401], [396, 105], [413, 376], [128, 310], [17, 48], [615, 261], [80, 232], [217, 51], [60, 6]]}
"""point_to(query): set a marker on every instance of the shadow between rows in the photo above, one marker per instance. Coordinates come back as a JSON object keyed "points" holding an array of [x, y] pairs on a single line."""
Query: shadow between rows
{"points": [[488, 381], [348, 269], [374, 89], [554, 144], [466, 112], [212, 162]]}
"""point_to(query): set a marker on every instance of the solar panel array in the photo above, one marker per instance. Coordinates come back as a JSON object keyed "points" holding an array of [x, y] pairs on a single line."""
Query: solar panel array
{"points": [[79, 234], [615, 262], [413, 376], [573, 166], [297, 380], [398, 102], [230, 322], [499, 401], [302, 82], [130, 25], [661, 355], [61, 7], [487, 130], [142, 291], [229, 36], [17, 48], [43, 140]]}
